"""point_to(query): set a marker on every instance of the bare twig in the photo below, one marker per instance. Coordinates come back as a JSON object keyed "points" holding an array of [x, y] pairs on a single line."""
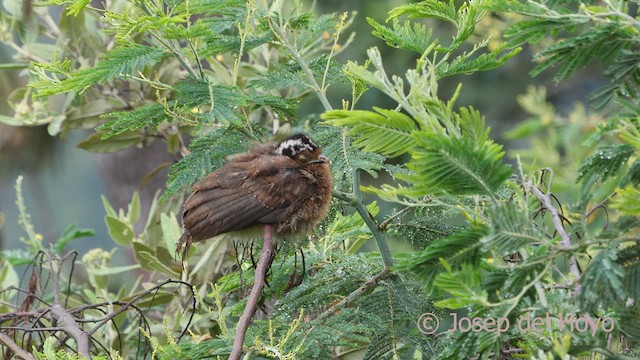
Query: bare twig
{"points": [[11, 345], [599, 205], [256, 291], [565, 240], [64, 318], [354, 294]]}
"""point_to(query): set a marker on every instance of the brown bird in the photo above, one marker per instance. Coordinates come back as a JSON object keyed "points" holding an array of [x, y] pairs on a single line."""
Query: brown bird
{"points": [[287, 185]]}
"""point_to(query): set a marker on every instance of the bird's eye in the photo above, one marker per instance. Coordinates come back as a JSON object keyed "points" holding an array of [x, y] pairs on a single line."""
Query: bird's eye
{"points": [[303, 156]]}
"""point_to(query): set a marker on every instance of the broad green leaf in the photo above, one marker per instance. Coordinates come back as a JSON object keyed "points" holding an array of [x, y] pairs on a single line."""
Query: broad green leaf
{"points": [[107, 271], [11, 121], [119, 231], [171, 230], [98, 144], [147, 259], [107, 207], [133, 211]]}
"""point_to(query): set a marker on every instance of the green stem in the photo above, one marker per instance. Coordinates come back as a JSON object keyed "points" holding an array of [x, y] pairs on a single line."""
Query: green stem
{"points": [[279, 32], [381, 238]]}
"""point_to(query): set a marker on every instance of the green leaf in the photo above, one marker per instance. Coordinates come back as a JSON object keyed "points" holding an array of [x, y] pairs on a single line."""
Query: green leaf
{"points": [[107, 207], [128, 121], [511, 230], [77, 6], [628, 200], [133, 211], [463, 246], [216, 102], [466, 64], [10, 120], [605, 162], [14, 66], [171, 230], [71, 233], [106, 271], [427, 9], [148, 260], [524, 129], [96, 143], [403, 36], [122, 62], [456, 166], [345, 156], [602, 280], [119, 231], [386, 132], [463, 285]]}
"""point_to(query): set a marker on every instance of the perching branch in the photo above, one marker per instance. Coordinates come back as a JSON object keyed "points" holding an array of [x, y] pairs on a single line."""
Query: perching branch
{"points": [[11, 345], [65, 320], [547, 203], [266, 257]]}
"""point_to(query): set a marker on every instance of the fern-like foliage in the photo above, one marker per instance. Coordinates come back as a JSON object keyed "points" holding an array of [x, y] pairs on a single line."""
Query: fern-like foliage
{"points": [[456, 166], [603, 279], [124, 121], [122, 62], [407, 36], [605, 162], [602, 32], [463, 246], [512, 229], [345, 156], [385, 132]]}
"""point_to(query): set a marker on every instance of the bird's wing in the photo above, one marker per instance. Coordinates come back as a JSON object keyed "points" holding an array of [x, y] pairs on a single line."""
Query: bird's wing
{"points": [[234, 198]]}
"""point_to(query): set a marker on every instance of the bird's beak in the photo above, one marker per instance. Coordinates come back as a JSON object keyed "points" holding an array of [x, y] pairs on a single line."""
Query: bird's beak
{"points": [[322, 159]]}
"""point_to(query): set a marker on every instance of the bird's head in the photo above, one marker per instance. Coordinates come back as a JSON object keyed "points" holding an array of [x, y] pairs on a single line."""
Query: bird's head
{"points": [[301, 148]]}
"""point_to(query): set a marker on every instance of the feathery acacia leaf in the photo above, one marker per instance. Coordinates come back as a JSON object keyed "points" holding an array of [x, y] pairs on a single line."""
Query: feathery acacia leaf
{"points": [[403, 36], [603, 278], [463, 246], [152, 114], [605, 162], [511, 230], [387, 132], [456, 166], [121, 62], [345, 156]]}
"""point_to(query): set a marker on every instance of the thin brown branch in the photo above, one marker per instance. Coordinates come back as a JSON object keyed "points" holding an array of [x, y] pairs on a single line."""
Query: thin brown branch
{"points": [[135, 299], [11, 345], [599, 205], [258, 284], [64, 318], [565, 240], [354, 294]]}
